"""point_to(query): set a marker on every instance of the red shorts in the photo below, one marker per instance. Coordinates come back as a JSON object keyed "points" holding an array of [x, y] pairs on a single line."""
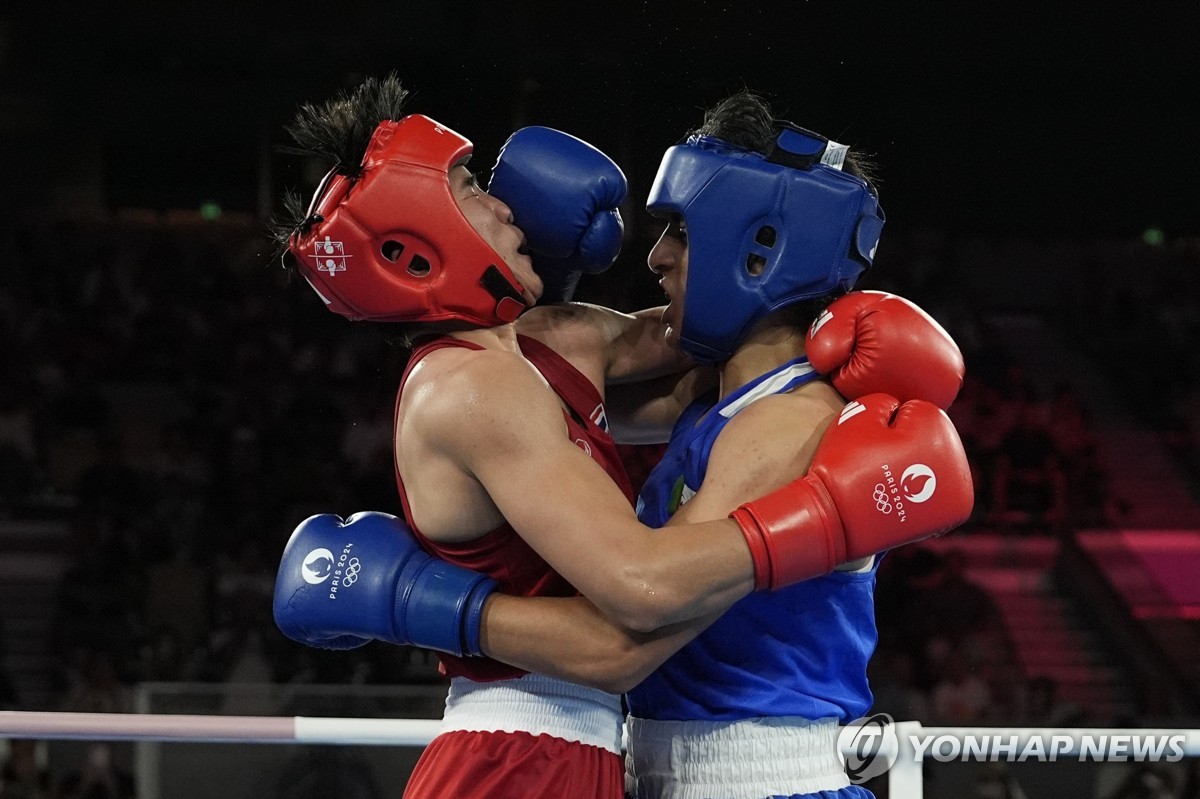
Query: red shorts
{"points": [[514, 765]]}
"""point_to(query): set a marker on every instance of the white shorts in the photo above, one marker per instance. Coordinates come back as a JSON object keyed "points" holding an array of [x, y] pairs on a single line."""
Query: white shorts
{"points": [[538, 705], [747, 759]]}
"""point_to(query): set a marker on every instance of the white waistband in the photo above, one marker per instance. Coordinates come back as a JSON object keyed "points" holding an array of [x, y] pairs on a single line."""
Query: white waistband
{"points": [[535, 704], [747, 759]]}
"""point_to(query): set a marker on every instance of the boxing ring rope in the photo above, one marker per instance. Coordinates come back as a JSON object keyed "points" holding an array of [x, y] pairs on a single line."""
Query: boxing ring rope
{"points": [[904, 776], [178, 728]]}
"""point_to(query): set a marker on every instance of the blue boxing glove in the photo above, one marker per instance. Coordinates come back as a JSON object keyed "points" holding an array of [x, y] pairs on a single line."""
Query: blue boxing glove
{"points": [[342, 584], [564, 195]]}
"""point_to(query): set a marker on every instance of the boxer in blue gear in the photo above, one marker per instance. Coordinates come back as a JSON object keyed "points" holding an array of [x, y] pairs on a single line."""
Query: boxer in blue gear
{"points": [[765, 224], [750, 707], [774, 674]]}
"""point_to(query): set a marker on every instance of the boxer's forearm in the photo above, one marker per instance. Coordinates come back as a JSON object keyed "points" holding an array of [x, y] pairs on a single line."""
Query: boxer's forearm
{"points": [[569, 638]]}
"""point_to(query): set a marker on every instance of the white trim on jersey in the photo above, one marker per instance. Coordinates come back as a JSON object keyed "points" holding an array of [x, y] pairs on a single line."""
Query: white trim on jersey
{"points": [[772, 385]]}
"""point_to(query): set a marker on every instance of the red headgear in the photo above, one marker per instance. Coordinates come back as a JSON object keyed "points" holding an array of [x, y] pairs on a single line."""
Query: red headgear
{"points": [[392, 244]]}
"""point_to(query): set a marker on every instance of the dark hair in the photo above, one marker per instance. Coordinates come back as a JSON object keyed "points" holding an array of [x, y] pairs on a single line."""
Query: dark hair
{"points": [[745, 120], [336, 131]]}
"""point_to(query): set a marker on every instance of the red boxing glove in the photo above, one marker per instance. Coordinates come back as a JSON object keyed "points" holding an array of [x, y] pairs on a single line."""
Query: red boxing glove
{"points": [[871, 341], [886, 473]]}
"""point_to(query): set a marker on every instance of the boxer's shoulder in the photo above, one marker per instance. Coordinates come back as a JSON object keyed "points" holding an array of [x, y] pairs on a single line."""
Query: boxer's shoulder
{"points": [[457, 398], [772, 440]]}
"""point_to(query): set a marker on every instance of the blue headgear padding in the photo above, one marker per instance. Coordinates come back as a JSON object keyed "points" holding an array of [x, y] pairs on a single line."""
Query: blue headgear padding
{"points": [[764, 231]]}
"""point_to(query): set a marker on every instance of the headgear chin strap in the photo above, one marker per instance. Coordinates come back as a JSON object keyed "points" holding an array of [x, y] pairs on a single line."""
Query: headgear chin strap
{"points": [[392, 244], [763, 231]]}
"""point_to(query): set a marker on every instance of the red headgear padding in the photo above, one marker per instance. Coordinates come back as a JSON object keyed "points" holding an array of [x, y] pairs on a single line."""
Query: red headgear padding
{"points": [[392, 245]]}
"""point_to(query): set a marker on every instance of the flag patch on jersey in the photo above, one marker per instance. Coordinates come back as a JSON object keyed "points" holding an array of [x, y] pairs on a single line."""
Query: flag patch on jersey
{"points": [[680, 494], [599, 418]]}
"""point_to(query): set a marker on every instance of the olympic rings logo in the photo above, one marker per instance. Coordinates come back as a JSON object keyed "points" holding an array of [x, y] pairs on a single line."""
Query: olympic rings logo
{"points": [[883, 502], [352, 570]]}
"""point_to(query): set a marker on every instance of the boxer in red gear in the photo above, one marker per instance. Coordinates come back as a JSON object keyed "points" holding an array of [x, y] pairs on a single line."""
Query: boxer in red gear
{"points": [[463, 761]]}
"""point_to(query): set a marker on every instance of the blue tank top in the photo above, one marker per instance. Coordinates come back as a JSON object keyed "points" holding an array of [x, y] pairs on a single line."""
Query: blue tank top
{"points": [[798, 651]]}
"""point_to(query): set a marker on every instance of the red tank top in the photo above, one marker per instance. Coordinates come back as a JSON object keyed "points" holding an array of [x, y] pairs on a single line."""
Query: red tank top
{"points": [[502, 553]]}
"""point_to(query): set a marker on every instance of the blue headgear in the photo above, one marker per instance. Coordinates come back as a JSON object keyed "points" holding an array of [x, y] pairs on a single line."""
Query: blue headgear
{"points": [[764, 231]]}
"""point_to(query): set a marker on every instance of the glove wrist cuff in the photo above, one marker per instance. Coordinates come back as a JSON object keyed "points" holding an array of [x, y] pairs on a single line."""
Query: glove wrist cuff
{"points": [[441, 608], [794, 534], [472, 619]]}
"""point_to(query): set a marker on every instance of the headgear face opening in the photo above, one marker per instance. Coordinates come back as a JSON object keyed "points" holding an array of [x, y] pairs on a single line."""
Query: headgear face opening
{"points": [[392, 244], [763, 231]]}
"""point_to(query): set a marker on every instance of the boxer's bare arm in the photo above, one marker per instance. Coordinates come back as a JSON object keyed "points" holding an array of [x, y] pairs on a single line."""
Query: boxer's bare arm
{"points": [[645, 381], [573, 640], [606, 345], [490, 418]]}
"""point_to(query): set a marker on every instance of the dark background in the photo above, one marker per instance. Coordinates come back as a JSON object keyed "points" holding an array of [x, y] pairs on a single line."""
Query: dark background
{"points": [[989, 118], [172, 405]]}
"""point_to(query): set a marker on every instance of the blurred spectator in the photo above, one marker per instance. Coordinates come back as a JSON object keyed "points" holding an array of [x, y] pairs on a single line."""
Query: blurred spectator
{"points": [[366, 448], [926, 597], [177, 458], [1158, 707], [960, 696], [1181, 431], [1069, 425], [98, 604], [162, 658], [1090, 498], [177, 607], [245, 584], [96, 687], [110, 486], [894, 684], [995, 781], [99, 777], [340, 770], [237, 647], [77, 403], [24, 775], [1030, 486], [8, 691], [1014, 382], [249, 668], [18, 449], [241, 499], [1140, 781], [982, 417], [1044, 707]]}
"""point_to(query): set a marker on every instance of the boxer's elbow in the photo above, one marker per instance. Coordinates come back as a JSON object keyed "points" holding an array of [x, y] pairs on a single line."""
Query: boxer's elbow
{"points": [[642, 602], [616, 666]]}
